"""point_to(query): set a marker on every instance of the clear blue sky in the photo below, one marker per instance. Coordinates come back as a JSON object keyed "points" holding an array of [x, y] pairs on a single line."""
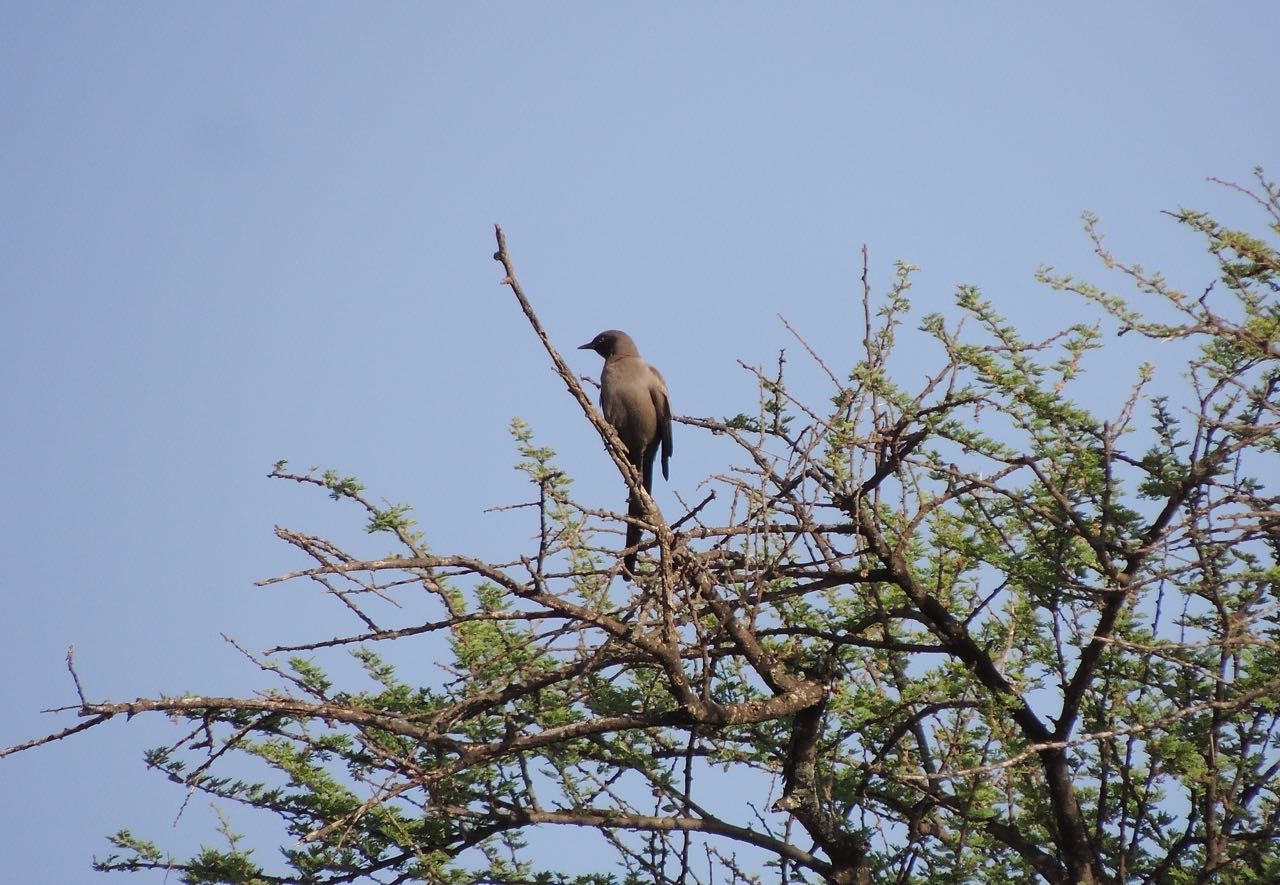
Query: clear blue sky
{"points": [[237, 232]]}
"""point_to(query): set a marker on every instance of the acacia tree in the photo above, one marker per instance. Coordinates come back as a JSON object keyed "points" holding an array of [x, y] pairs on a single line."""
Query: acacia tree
{"points": [[960, 629]]}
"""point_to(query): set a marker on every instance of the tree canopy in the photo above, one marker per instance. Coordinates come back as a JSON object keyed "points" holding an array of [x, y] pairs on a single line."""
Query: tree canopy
{"points": [[948, 624]]}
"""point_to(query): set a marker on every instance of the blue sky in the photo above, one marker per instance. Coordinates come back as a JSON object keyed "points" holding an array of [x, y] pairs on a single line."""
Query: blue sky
{"points": [[233, 233]]}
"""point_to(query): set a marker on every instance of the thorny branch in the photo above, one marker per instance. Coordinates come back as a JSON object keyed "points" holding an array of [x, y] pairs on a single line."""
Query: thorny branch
{"points": [[941, 646]]}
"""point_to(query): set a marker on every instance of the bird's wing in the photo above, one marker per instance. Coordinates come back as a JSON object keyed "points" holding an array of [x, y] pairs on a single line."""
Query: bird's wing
{"points": [[662, 407]]}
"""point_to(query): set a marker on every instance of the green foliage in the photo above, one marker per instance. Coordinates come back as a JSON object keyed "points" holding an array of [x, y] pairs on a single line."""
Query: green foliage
{"points": [[341, 486], [959, 629]]}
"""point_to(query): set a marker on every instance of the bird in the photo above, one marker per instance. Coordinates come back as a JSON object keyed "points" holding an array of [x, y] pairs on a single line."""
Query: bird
{"points": [[633, 397]]}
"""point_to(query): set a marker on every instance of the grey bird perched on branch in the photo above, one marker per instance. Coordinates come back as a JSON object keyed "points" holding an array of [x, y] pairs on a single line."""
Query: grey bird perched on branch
{"points": [[633, 397]]}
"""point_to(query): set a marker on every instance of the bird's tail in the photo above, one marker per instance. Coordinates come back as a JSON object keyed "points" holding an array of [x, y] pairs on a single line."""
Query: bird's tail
{"points": [[635, 510]]}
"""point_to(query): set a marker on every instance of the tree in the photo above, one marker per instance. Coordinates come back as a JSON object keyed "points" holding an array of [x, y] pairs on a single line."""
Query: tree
{"points": [[960, 630]]}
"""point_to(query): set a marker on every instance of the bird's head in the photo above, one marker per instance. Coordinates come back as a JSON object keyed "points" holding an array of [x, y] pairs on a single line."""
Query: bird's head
{"points": [[611, 342]]}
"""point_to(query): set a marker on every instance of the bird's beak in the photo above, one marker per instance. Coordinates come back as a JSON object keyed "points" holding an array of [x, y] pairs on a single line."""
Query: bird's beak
{"points": [[586, 346]]}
